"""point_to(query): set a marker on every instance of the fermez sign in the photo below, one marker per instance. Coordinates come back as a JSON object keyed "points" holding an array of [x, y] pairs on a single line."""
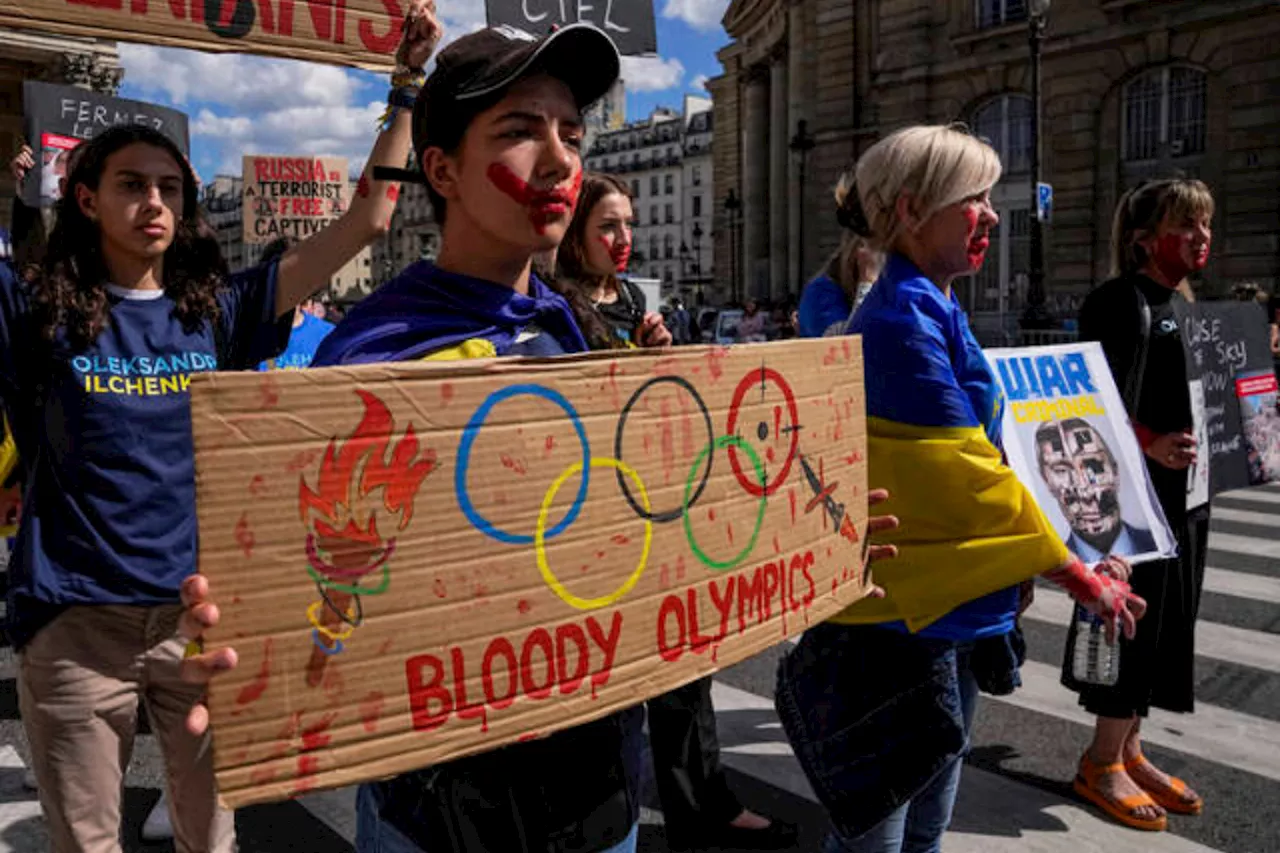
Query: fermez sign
{"points": [[422, 561], [360, 33], [292, 197]]}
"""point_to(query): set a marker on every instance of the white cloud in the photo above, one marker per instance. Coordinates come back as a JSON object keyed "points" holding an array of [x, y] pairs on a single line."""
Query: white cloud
{"points": [[344, 131], [700, 14], [699, 83], [651, 73]]}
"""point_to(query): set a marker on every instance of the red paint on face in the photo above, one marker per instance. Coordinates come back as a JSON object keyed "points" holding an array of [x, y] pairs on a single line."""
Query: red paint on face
{"points": [[1177, 255], [393, 192], [977, 243], [544, 205], [619, 252], [575, 188]]}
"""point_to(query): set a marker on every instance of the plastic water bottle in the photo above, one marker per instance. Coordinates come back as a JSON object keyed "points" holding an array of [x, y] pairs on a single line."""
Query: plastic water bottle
{"points": [[1094, 661]]}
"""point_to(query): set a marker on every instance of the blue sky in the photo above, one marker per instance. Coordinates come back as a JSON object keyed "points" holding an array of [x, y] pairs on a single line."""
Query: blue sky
{"points": [[241, 104]]}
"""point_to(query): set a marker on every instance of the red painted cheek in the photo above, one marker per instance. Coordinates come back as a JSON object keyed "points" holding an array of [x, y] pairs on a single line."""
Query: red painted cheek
{"points": [[976, 250], [1175, 257], [510, 183], [575, 189]]}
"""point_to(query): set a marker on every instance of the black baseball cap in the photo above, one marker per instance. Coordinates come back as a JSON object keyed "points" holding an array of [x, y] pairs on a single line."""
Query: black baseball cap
{"points": [[478, 67]]}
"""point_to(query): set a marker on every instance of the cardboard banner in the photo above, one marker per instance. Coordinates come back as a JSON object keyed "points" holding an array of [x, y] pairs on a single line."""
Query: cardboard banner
{"points": [[358, 33], [630, 23], [292, 197], [58, 118], [1068, 438], [1229, 353], [422, 561]]}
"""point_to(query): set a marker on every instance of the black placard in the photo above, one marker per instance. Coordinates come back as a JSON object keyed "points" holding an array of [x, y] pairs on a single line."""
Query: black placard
{"points": [[1227, 343], [629, 23], [57, 118]]}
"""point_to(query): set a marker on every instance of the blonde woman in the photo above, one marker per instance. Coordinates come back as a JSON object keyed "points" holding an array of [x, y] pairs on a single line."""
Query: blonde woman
{"points": [[878, 703], [845, 280], [1161, 237]]}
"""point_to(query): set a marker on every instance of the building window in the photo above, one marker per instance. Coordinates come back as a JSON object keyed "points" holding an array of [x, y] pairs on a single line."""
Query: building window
{"points": [[653, 185], [1165, 107], [666, 274], [635, 159], [653, 214], [671, 215], [668, 247], [697, 205], [697, 177], [997, 13], [635, 188], [1006, 124], [669, 184], [1000, 286]]}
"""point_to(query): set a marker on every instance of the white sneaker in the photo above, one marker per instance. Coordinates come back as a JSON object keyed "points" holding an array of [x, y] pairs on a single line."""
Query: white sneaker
{"points": [[158, 826]]}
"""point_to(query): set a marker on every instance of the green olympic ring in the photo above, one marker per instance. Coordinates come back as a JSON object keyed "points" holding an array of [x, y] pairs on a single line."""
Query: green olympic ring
{"points": [[722, 442], [354, 589]]}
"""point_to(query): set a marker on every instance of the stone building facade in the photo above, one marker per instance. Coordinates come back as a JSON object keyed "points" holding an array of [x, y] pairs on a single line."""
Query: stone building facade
{"points": [[1131, 89], [667, 161], [413, 235], [24, 55]]}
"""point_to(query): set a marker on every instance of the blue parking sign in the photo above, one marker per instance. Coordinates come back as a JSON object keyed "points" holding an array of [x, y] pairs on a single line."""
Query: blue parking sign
{"points": [[1044, 201]]}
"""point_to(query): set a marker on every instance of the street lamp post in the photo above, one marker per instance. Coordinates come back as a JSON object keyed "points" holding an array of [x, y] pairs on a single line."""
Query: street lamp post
{"points": [[684, 268], [1036, 315], [801, 144], [697, 259], [732, 207]]}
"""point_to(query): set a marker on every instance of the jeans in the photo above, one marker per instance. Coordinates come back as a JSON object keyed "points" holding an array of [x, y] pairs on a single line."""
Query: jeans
{"points": [[879, 721], [375, 835], [918, 825]]}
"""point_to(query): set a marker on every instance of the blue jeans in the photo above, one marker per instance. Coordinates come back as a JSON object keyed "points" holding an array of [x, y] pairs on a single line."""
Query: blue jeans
{"points": [[375, 835], [879, 720], [918, 825]]}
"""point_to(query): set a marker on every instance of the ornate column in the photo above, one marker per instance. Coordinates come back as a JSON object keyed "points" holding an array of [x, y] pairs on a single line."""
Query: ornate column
{"points": [[798, 109], [755, 182], [779, 135]]}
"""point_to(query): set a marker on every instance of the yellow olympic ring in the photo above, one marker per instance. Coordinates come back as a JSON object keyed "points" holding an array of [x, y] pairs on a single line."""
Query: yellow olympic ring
{"points": [[313, 616], [540, 545]]}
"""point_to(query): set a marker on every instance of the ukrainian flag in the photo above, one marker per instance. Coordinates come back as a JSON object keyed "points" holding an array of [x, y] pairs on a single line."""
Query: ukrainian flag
{"points": [[969, 526], [8, 461]]}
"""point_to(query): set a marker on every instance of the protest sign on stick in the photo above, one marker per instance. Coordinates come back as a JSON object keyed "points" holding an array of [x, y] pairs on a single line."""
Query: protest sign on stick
{"points": [[58, 118], [629, 23], [292, 197], [422, 561], [1068, 438], [358, 33], [1229, 352]]}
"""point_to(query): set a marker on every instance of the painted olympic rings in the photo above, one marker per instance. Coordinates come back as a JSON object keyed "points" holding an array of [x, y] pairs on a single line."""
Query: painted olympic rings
{"points": [[540, 537], [329, 570], [643, 512], [313, 616], [730, 441], [762, 375], [355, 588], [472, 430]]}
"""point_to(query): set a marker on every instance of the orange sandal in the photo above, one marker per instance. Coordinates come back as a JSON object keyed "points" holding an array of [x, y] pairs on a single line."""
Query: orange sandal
{"points": [[1086, 785], [1174, 797]]}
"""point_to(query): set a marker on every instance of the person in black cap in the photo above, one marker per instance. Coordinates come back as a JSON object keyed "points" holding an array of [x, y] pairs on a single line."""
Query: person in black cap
{"points": [[497, 130]]}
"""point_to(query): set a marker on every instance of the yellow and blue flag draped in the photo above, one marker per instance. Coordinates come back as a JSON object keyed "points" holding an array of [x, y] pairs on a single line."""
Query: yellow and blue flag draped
{"points": [[970, 530], [8, 461]]}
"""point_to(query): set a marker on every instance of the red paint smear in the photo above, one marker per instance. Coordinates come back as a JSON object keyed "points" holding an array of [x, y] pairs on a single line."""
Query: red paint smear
{"points": [[679, 569], [253, 691], [575, 188], [524, 606], [714, 358], [599, 555], [647, 445], [550, 444], [848, 352], [370, 711], [777, 547], [614, 372], [270, 391], [619, 252], [362, 187], [830, 357], [585, 568], [791, 496], [621, 539], [385, 647], [290, 729], [393, 193], [301, 461], [446, 392], [480, 591], [1176, 257], [667, 443], [334, 685], [729, 529], [544, 205], [977, 249], [528, 737], [833, 586], [686, 430], [315, 736], [308, 765], [769, 454], [711, 514], [235, 599], [257, 485], [244, 536], [439, 588], [262, 776], [715, 651], [664, 579]]}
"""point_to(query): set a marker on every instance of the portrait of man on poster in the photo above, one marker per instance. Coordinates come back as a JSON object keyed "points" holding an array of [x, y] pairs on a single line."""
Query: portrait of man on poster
{"points": [[1081, 472]]}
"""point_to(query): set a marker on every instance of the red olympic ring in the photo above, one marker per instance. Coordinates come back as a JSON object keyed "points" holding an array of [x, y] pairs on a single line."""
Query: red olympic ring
{"points": [[756, 377]]}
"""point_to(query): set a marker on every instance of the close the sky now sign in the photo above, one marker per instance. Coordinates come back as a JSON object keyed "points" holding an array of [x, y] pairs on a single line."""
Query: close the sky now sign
{"points": [[358, 33], [629, 23]]}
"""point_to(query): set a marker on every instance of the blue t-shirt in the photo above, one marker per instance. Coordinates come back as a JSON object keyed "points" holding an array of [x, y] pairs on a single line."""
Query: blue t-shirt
{"points": [[909, 325], [823, 304], [109, 512], [304, 340]]}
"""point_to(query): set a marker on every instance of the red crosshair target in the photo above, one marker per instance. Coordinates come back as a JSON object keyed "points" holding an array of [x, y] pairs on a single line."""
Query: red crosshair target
{"points": [[759, 380]]}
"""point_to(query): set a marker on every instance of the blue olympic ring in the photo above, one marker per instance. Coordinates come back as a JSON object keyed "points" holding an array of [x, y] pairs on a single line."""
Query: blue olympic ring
{"points": [[464, 461], [338, 645]]}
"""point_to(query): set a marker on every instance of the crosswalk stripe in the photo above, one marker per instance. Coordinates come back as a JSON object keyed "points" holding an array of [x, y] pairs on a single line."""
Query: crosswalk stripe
{"points": [[1252, 496], [1237, 544], [1242, 585], [1213, 640], [1246, 516], [20, 817], [1215, 734]]}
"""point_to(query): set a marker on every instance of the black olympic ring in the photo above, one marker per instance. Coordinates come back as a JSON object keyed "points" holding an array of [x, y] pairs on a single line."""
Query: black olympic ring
{"points": [[359, 618], [674, 514]]}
